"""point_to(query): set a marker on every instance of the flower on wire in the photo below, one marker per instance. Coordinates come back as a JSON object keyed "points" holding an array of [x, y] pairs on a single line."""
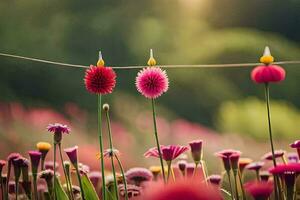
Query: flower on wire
{"points": [[169, 153], [100, 80], [259, 190], [268, 72]]}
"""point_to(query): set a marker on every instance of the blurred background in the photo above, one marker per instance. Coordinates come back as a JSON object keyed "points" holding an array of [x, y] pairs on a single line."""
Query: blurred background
{"points": [[221, 106]]}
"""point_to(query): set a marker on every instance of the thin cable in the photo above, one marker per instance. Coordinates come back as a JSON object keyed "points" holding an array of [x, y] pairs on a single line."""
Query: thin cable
{"points": [[232, 65]]}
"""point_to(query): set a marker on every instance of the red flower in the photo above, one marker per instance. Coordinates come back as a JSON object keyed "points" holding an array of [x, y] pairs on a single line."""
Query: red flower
{"points": [[169, 153], [268, 73], [100, 80], [259, 190]]}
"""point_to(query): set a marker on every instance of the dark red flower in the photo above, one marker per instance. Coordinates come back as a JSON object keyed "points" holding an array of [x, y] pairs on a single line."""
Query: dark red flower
{"points": [[100, 80], [259, 190], [267, 74]]}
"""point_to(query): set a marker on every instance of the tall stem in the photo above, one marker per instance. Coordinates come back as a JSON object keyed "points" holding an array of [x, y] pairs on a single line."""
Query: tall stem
{"points": [[17, 188], [35, 187], [80, 183], [123, 175], [69, 186], [157, 140], [230, 185], [236, 184], [111, 146], [169, 163], [54, 170], [241, 183], [101, 146]]}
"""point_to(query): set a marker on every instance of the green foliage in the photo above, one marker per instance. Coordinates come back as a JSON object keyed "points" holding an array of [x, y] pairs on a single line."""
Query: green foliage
{"points": [[59, 191], [250, 117], [88, 188]]}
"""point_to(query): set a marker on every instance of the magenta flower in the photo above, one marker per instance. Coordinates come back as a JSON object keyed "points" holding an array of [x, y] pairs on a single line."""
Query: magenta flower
{"points": [[234, 161], [293, 157], [296, 145], [255, 166], [35, 157], [58, 128], [100, 80], [259, 190], [225, 156], [264, 175], [196, 149], [152, 82], [277, 154], [72, 154], [214, 179], [50, 165], [138, 175], [169, 152]]}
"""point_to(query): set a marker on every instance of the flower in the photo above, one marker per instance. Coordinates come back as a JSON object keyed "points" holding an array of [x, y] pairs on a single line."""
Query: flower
{"points": [[95, 177], [182, 165], [50, 165], [72, 154], [43, 146], [255, 166], [264, 175], [296, 145], [267, 73], [169, 153], [243, 162], [35, 158], [2, 164], [215, 179], [58, 128], [277, 154], [100, 80], [234, 161], [47, 174], [196, 148], [18, 163], [152, 82], [259, 190], [182, 190], [225, 156], [132, 190], [293, 157], [138, 175], [156, 170], [287, 171]]}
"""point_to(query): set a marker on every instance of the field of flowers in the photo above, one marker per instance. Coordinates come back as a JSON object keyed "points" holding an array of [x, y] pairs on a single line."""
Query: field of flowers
{"points": [[142, 155]]}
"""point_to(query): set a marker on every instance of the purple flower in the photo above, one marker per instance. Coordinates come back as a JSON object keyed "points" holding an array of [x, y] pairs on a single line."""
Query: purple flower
{"points": [[293, 157], [255, 166], [35, 157], [182, 165], [215, 179], [196, 148], [138, 175], [169, 153], [72, 154]]}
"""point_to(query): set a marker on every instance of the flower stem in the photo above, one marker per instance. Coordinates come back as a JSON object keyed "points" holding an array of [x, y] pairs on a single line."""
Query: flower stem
{"points": [[69, 186], [241, 183], [35, 187], [230, 185], [54, 170], [112, 151], [17, 188], [157, 140], [123, 175], [204, 170], [80, 183], [169, 163], [101, 146], [236, 184]]}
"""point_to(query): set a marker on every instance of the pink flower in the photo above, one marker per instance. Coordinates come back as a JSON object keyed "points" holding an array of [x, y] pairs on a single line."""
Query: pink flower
{"points": [[268, 73], [182, 190], [152, 82], [277, 154], [35, 157], [255, 166], [72, 154], [100, 80], [259, 190], [196, 149], [288, 172], [2, 164], [293, 157], [58, 128], [296, 145], [111, 152], [138, 175], [169, 153], [215, 179], [225, 156]]}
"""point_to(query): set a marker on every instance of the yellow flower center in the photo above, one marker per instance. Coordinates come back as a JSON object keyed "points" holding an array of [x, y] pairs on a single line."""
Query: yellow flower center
{"points": [[43, 146]]}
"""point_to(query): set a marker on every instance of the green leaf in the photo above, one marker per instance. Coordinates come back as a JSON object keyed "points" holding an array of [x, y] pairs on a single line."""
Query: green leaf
{"points": [[88, 188], [109, 195], [59, 191]]}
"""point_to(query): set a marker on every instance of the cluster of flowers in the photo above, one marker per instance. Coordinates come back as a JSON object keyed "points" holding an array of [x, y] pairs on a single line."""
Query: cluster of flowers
{"points": [[154, 183]]}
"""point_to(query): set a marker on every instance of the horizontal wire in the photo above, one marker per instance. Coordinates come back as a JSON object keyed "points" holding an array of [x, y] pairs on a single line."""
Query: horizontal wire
{"points": [[139, 67]]}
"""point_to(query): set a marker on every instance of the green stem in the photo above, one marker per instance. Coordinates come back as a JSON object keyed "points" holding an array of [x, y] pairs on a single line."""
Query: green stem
{"points": [[230, 185], [267, 97], [70, 182], [241, 183], [101, 146], [80, 183], [257, 175], [54, 170], [157, 140], [236, 185], [123, 175], [69, 186], [204, 170], [112, 151]]}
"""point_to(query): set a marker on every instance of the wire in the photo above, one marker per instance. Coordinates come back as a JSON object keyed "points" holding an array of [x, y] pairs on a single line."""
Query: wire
{"points": [[139, 67]]}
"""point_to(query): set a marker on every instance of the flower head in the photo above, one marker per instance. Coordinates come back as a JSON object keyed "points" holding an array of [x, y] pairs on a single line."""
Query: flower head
{"points": [[255, 166], [43, 146], [138, 175], [50, 165], [100, 80], [196, 149], [293, 157], [182, 165], [295, 144], [2, 164], [269, 155], [264, 175], [225, 156], [259, 190], [95, 177], [152, 82], [169, 153], [72, 154], [35, 158], [58, 128], [287, 171], [215, 179], [243, 162], [47, 174], [234, 161], [156, 170], [12, 156]]}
